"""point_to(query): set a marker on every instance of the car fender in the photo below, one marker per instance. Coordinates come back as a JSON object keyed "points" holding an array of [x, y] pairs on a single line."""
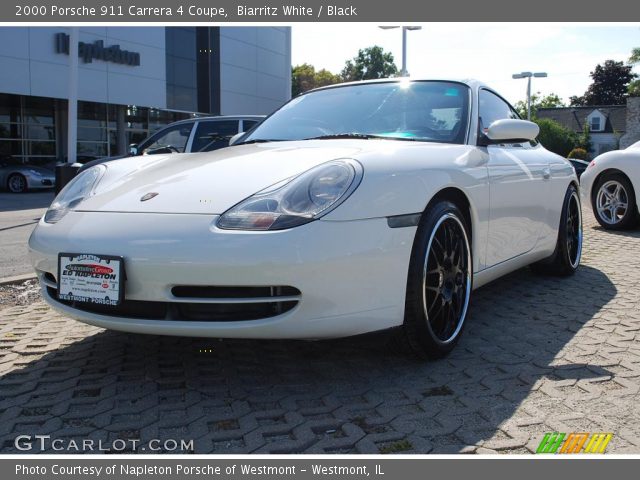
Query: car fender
{"points": [[421, 173], [626, 161]]}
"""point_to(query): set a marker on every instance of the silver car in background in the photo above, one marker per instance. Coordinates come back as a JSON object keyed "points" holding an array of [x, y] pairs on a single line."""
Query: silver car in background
{"points": [[19, 178]]}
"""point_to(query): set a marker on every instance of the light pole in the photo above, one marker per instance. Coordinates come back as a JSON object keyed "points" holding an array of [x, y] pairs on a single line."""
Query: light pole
{"points": [[72, 113], [528, 76], [403, 72]]}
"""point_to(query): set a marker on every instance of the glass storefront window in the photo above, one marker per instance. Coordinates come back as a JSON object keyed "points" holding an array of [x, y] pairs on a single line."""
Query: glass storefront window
{"points": [[28, 128], [40, 132], [40, 148], [92, 115], [39, 111], [92, 134], [10, 130], [10, 148], [10, 108], [137, 117], [94, 149]]}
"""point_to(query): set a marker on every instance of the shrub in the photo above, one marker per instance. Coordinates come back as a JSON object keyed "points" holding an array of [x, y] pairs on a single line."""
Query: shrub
{"points": [[579, 153], [555, 137]]}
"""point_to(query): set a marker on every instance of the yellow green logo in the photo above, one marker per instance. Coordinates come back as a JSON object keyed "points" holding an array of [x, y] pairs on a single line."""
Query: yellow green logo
{"points": [[583, 442]]}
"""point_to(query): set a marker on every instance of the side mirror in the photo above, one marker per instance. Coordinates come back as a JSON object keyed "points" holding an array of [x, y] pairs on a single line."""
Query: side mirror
{"points": [[235, 138], [133, 149], [510, 131]]}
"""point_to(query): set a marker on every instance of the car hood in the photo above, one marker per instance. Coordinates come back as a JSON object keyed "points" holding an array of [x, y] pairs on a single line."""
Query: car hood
{"points": [[212, 182]]}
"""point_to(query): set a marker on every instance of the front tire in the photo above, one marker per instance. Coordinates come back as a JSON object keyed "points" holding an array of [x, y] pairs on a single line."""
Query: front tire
{"points": [[566, 256], [614, 202], [439, 282], [17, 183]]}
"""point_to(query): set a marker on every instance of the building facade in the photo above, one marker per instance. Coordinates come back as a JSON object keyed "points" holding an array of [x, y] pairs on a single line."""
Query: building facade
{"points": [[132, 81]]}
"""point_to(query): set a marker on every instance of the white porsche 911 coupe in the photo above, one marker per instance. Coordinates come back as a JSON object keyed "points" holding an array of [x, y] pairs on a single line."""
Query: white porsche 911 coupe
{"points": [[353, 208], [610, 183]]}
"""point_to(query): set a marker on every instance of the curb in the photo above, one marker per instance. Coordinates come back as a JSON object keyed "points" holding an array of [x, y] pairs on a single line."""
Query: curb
{"points": [[17, 279]]}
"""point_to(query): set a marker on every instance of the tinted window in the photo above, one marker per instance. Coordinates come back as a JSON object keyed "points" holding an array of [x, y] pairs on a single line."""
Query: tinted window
{"points": [[214, 135], [249, 124], [424, 111], [493, 108], [175, 137]]}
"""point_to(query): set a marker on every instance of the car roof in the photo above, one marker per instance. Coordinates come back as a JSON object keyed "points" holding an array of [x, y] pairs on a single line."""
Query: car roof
{"points": [[472, 83]]}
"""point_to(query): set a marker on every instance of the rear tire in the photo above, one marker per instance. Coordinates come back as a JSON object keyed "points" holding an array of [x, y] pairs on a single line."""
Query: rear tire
{"points": [[566, 256], [439, 283], [614, 202]]}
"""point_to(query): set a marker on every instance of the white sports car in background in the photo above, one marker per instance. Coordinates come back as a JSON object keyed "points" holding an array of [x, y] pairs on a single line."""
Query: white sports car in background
{"points": [[610, 185], [353, 208]]}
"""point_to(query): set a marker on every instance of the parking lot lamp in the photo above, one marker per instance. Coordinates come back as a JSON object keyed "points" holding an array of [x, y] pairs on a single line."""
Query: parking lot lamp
{"points": [[528, 76], [403, 72]]}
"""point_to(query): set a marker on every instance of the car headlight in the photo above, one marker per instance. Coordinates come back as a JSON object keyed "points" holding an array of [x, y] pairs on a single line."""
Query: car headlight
{"points": [[296, 201], [74, 193]]}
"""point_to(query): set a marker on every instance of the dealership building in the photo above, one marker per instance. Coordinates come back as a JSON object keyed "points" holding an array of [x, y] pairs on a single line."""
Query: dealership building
{"points": [[132, 81]]}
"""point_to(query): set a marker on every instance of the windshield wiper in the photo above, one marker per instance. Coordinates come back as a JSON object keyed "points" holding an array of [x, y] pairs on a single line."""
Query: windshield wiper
{"points": [[331, 136], [362, 136], [258, 140]]}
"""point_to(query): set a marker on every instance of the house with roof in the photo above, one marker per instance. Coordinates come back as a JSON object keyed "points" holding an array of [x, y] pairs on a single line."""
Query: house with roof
{"points": [[611, 126]]}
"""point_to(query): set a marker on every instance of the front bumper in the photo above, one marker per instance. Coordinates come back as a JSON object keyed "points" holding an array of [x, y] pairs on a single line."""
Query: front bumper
{"points": [[586, 184], [351, 275], [40, 182]]}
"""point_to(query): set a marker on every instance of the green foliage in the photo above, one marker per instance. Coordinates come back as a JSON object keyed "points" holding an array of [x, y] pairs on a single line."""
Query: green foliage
{"points": [[579, 153], [370, 63], [584, 139], [304, 77], [609, 86], [634, 89], [555, 137], [396, 447], [635, 56], [538, 101]]}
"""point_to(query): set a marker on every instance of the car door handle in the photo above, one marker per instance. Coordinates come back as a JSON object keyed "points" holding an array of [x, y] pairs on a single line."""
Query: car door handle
{"points": [[546, 173]]}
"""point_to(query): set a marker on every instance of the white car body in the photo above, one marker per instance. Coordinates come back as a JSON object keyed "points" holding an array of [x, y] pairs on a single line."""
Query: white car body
{"points": [[625, 161], [349, 266]]}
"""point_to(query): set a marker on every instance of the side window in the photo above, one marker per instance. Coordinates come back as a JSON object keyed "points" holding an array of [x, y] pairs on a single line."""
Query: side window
{"points": [[173, 138], [214, 135], [493, 108]]}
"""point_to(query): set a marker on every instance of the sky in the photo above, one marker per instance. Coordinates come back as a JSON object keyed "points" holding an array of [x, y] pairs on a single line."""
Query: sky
{"points": [[487, 52]]}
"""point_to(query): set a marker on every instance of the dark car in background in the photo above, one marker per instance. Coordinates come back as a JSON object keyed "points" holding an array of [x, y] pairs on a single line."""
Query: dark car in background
{"points": [[578, 165], [201, 134]]}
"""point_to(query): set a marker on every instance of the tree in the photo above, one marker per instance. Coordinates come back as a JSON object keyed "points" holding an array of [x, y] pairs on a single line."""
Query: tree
{"points": [[555, 137], [538, 101], [370, 63], [609, 86], [304, 77], [583, 140], [634, 87]]}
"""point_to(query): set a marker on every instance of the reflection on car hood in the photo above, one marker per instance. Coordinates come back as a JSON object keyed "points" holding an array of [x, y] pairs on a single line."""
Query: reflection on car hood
{"points": [[212, 182]]}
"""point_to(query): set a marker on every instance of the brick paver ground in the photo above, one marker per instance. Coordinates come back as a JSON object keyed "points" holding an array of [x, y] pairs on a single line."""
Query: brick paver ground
{"points": [[538, 354]]}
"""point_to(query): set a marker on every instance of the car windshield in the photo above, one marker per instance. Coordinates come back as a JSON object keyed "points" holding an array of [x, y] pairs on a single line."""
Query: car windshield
{"points": [[431, 111]]}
